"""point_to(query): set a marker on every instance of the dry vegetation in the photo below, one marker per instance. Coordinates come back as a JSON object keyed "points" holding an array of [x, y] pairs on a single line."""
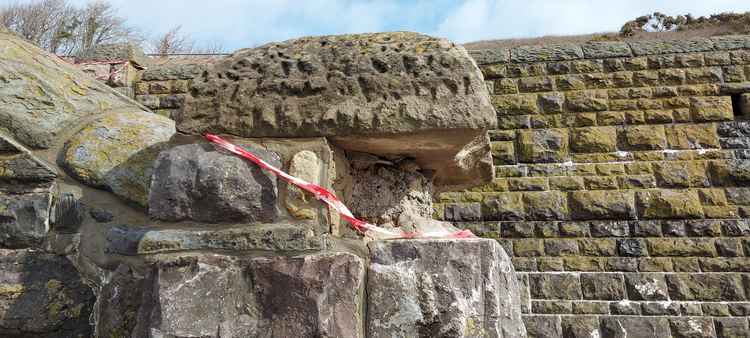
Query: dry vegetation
{"points": [[649, 27]]}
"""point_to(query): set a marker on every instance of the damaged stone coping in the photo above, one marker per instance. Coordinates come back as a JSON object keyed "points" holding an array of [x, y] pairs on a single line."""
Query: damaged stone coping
{"points": [[607, 49]]}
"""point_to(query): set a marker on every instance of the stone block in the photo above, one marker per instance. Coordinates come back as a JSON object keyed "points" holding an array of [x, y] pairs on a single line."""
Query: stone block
{"points": [[425, 287], [685, 247], [681, 174], [656, 204], [515, 104], [503, 153], [703, 75], [43, 295], [643, 137], [543, 326], [632, 247], [503, 207], [730, 173], [646, 286], [542, 146], [560, 247], [692, 136], [25, 217], [544, 53], [602, 286], [631, 326], [586, 101], [706, 287], [528, 247], [594, 140], [692, 327], [535, 84], [660, 309], [731, 327], [463, 212], [565, 183], [657, 47], [711, 108], [262, 296], [545, 205], [570, 82], [554, 286], [190, 183], [585, 205], [597, 247]]}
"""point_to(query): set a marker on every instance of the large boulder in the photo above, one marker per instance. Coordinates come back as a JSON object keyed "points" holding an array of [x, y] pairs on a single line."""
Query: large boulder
{"points": [[315, 295], [42, 295], [117, 152], [442, 288], [43, 96], [392, 94]]}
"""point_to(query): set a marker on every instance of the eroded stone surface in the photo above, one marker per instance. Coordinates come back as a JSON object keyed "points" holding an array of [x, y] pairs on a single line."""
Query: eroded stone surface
{"points": [[42, 95], [198, 182], [362, 89], [126, 240], [117, 152], [442, 288], [42, 295], [219, 296]]}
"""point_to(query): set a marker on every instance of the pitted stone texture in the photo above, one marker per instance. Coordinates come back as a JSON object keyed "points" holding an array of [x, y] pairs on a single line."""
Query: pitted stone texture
{"points": [[341, 85], [219, 296], [117, 152], [197, 182], [114, 52], [385, 93], [42, 295], [42, 95], [442, 288]]}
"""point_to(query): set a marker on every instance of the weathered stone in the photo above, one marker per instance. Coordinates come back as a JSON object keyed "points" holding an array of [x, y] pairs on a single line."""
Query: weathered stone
{"points": [[731, 327], [503, 207], [606, 49], [219, 296], [692, 327], [623, 327], [655, 47], [692, 136], [359, 90], [631, 247], [450, 288], [543, 326], [117, 151], [276, 237], [681, 247], [682, 174], [114, 52], [531, 54], [706, 287], [594, 140], [602, 286], [118, 302], [554, 286], [586, 205], [305, 165], [545, 205], [644, 137], [191, 182], [42, 296], [646, 287], [43, 96], [24, 217], [544, 145], [669, 204]]}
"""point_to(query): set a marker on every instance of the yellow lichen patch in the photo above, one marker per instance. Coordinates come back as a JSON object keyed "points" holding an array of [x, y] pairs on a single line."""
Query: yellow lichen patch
{"points": [[11, 290]]}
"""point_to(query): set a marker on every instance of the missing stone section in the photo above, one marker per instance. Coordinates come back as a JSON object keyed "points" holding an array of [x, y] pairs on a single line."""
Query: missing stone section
{"points": [[741, 106]]}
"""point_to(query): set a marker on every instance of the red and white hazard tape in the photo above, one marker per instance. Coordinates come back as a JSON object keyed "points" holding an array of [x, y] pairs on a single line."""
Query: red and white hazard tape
{"points": [[331, 200]]}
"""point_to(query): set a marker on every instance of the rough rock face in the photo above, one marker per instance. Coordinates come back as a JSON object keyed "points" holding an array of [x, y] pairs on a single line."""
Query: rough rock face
{"points": [[442, 288], [197, 182], [218, 296], [365, 90], [42, 295], [117, 152], [381, 194], [42, 95]]}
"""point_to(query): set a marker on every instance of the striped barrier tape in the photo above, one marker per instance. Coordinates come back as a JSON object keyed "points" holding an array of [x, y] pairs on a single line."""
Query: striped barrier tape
{"points": [[331, 200]]}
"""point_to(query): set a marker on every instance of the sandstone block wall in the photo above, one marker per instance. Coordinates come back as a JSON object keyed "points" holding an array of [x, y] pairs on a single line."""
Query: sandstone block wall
{"points": [[622, 185], [163, 88]]}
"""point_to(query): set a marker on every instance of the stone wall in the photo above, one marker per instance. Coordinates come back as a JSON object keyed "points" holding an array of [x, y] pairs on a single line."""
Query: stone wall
{"points": [[621, 190], [163, 88]]}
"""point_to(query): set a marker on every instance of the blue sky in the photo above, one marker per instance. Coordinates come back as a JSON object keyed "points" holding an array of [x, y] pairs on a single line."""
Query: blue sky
{"points": [[246, 23]]}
